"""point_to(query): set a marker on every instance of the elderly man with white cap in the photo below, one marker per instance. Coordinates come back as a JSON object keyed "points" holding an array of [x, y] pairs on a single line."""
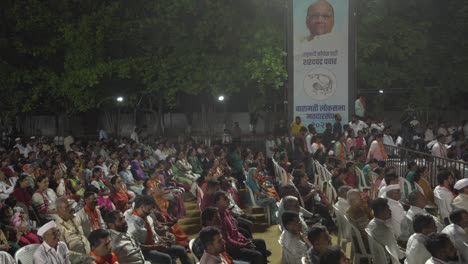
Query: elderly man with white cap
{"points": [[461, 201], [393, 195], [52, 250]]}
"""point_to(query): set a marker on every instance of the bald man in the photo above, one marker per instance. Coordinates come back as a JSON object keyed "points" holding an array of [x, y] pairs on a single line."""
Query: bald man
{"points": [[320, 18]]}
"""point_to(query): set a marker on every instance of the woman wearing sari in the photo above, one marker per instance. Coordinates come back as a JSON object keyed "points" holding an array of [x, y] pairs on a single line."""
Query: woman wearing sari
{"points": [[120, 195], [103, 191], [194, 161], [262, 197], [170, 201]]}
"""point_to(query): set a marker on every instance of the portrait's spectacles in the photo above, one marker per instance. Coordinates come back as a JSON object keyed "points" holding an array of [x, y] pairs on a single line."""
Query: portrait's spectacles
{"points": [[317, 16]]}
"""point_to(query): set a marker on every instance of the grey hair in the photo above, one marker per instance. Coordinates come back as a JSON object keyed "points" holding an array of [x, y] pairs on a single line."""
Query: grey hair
{"points": [[351, 195], [413, 197], [343, 191], [60, 201], [288, 202]]}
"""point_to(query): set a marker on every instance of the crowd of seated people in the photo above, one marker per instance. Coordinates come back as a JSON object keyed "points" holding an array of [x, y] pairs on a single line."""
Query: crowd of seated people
{"points": [[405, 215], [112, 201]]}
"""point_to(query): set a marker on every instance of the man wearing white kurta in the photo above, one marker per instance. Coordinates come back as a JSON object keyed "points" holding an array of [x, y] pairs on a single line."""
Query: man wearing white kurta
{"points": [[443, 195], [456, 232], [393, 195], [461, 201], [418, 202], [52, 250], [416, 252], [380, 228], [439, 149]]}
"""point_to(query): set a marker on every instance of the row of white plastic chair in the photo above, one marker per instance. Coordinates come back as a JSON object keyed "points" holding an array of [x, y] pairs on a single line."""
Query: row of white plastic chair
{"points": [[323, 180]]}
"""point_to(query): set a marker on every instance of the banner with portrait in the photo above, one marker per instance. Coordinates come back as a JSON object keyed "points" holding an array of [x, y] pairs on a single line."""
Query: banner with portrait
{"points": [[320, 32]]}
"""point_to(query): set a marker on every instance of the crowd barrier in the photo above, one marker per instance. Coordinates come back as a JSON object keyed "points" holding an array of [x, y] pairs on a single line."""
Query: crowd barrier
{"points": [[400, 157]]}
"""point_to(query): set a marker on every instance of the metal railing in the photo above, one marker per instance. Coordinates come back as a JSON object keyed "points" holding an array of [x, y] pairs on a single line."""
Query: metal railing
{"points": [[400, 157]]}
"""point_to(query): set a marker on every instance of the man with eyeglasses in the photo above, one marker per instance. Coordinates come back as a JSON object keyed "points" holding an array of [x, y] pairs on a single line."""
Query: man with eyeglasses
{"points": [[52, 250], [320, 18]]}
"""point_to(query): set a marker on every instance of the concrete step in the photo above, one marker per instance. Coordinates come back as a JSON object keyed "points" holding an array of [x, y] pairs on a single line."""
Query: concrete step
{"points": [[189, 221], [191, 229], [189, 206], [193, 213]]}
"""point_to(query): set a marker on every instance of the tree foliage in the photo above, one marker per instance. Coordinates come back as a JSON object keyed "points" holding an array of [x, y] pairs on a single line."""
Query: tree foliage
{"points": [[68, 55], [418, 45]]}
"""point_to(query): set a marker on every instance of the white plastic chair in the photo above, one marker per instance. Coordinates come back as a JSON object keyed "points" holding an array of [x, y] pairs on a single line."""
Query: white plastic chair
{"points": [[394, 258], [255, 205], [331, 192], [376, 249], [191, 242], [362, 254], [26, 253], [343, 230]]}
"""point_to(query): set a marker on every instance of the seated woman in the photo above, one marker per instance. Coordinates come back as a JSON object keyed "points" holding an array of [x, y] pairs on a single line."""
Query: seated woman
{"points": [[262, 197], [22, 191], [16, 227], [183, 173], [420, 177], [264, 180], [103, 191], [120, 196], [44, 199], [352, 179], [195, 161], [76, 183], [170, 200], [58, 183], [167, 221], [126, 175]]}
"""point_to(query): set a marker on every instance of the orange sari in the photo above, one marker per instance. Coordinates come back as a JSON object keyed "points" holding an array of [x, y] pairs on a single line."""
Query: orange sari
{"points": [[162, 203]]}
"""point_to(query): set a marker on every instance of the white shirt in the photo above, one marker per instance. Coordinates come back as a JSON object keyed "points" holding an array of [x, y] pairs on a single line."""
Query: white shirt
{"points": [[48, 255], [270, 145], [137, 227], [435, 261], [380, 126], [293, 248], [102, 134], [428, 135], [360, 125], [461, 201], [316, 147], [398, 215], [134, 137], [416, 252], [458, 237], [309, 142], [439, 150], [413, 211], [388, 140], [382, 233], [446, 197], [160, 155]]}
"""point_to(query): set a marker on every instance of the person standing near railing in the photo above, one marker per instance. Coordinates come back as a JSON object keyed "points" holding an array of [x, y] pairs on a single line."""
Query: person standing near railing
{"points": [[377, 150], [439, 149]]}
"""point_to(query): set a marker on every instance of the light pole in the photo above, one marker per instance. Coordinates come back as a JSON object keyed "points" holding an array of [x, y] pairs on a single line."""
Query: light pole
{"points": [[119, 100]]}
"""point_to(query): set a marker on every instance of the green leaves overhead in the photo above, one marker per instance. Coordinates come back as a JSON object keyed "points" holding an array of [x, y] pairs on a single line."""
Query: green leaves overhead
{"points": [[70, 55]]}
